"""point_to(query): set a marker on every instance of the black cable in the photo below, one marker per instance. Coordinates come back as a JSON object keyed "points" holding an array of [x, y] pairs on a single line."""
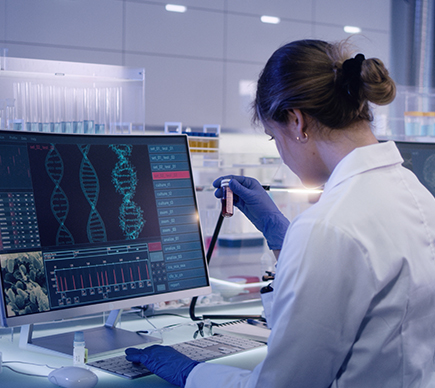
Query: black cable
{"points": [[195, 298], [208, 258], [214, 238]]}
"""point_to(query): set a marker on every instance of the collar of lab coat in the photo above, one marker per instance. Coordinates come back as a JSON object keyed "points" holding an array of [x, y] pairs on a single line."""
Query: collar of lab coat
{"points": [[363, 159]]}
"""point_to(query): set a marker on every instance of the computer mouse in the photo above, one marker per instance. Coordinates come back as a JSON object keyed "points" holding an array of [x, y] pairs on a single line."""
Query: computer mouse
{"points": [[73, 377]]}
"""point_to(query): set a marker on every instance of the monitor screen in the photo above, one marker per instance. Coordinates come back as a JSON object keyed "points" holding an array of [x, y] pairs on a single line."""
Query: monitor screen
{"points": [[420, 158], [92, 223]]}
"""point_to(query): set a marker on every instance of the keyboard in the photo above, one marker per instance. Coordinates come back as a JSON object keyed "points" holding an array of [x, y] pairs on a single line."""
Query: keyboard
{"points": [[200, 349]]}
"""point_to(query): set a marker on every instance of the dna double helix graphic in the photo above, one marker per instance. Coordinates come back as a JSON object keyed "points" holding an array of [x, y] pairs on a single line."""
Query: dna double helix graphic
{"points": [[58, 201], [90, 186], [124, 179]]}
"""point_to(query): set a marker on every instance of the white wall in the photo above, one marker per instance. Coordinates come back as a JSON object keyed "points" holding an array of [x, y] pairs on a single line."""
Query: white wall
{"points": [[193, 61]]}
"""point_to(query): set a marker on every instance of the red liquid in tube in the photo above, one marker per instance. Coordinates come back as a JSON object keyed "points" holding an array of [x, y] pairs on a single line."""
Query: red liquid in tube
{"points": [[227, 199]]}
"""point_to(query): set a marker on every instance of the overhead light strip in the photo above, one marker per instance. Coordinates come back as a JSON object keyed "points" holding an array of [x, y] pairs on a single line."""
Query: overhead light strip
{"points": [[352, 29], [270, 19], [175, 8]]}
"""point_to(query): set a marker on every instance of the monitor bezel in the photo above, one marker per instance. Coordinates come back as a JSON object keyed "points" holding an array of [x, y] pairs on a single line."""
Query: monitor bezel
{"points": [[123, 304]]}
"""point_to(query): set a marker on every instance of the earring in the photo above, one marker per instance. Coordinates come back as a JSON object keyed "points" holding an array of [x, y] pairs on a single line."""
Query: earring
{"points": [[304, 139]]}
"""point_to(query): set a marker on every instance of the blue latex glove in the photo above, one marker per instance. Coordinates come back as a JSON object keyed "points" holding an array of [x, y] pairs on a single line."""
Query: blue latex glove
{"points": [[165, 362], [256, 204]]}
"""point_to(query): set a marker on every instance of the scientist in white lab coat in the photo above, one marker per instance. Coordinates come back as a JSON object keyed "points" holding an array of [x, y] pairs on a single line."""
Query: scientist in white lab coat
{"points": [[354, 294]]}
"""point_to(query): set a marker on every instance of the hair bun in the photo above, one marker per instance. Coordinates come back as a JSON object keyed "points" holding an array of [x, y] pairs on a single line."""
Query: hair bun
{"points": [[377, 85]]}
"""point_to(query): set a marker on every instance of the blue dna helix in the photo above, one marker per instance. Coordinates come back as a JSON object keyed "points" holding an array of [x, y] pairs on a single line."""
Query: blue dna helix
{"points": [[124, 179]]}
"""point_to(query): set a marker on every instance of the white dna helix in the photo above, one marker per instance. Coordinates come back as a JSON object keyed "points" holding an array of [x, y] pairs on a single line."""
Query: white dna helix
{"points": [[90, 186], [58, 201]]}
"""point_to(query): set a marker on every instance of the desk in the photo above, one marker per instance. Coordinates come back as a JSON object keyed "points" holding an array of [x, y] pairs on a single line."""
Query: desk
{"points": [[12, 352]]}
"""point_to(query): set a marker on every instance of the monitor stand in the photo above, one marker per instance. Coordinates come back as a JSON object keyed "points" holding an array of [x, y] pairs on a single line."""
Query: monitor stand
{"points": [[98, 340]]}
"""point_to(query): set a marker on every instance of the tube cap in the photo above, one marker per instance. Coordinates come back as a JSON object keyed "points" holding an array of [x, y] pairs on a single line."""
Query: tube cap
{"points": [[79, 336]]}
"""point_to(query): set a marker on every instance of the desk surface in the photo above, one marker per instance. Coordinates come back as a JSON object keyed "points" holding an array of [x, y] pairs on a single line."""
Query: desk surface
{"points": [[184, 332]]}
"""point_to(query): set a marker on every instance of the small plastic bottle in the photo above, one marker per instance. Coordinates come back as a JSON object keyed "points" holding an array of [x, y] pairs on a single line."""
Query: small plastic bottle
{"points": [[227, 199], [79, 351]]}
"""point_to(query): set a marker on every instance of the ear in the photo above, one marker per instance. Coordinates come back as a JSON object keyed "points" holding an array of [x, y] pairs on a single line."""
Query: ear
{"points": [[298, 124]]}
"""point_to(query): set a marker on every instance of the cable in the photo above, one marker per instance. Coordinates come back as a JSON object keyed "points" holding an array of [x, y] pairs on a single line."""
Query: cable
{"points": [[25, 363], [208, 257], [195, 298], [23, 373], [214, 238]]}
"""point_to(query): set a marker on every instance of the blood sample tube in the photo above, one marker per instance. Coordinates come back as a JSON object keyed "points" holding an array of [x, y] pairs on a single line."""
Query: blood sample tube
{"points": [[227, 199]]}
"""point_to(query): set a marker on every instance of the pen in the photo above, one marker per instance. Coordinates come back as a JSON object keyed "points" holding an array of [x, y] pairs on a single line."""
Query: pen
{"points": [[290, 189], [254, 322]]}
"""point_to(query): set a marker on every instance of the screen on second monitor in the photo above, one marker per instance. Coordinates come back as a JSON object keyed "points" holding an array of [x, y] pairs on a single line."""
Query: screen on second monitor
{"points": [[91, 223], [420, 158]]}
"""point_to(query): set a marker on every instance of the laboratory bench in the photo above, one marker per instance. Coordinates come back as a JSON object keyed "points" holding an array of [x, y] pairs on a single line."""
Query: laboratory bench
{"points": [[173, 326]]}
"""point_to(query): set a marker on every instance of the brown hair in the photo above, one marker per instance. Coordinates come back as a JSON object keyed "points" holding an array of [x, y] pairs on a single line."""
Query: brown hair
{"points": [[308, 75]]}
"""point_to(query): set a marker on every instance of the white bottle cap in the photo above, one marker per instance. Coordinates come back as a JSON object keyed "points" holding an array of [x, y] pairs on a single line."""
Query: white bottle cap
{"points": [[225, 182]]}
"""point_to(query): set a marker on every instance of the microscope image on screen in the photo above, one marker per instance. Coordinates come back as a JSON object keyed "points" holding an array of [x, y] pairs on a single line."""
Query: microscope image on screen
{"points": [[91, 193], [25, 283]]}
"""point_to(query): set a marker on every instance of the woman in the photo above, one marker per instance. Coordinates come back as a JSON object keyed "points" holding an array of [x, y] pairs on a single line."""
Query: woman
{"points": [[354, 293]]}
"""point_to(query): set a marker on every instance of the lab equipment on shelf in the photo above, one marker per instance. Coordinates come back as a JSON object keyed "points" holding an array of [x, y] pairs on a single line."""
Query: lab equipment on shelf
{"points": [[68, 97], [203, 142], [411, 115]]}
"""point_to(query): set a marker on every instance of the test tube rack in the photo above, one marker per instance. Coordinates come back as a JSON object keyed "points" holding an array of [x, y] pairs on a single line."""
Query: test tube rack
{"points": [[70, 97], [203, 144]]}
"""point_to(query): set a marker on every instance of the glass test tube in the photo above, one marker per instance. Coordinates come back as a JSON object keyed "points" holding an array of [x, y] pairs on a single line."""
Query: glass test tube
{"points": [[2, 114], [57, 109], [10, 113], [18, 116], [227, 199], [88, 110]]}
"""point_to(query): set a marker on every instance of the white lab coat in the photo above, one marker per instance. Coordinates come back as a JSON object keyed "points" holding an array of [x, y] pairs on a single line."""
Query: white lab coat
{"points": [[354, 294]]}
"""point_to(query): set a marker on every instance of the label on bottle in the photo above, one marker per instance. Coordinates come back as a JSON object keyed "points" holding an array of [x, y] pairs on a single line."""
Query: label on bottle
{"points": [[79, 355]]}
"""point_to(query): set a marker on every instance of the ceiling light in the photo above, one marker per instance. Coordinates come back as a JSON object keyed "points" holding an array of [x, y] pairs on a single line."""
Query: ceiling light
{"points": [[247, 88], [270, 19], [175, 8], [352, 29]]}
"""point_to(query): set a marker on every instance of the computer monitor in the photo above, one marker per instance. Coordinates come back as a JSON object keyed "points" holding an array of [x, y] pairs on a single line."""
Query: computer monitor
{"points": [[420, 158], [93, 223]]}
